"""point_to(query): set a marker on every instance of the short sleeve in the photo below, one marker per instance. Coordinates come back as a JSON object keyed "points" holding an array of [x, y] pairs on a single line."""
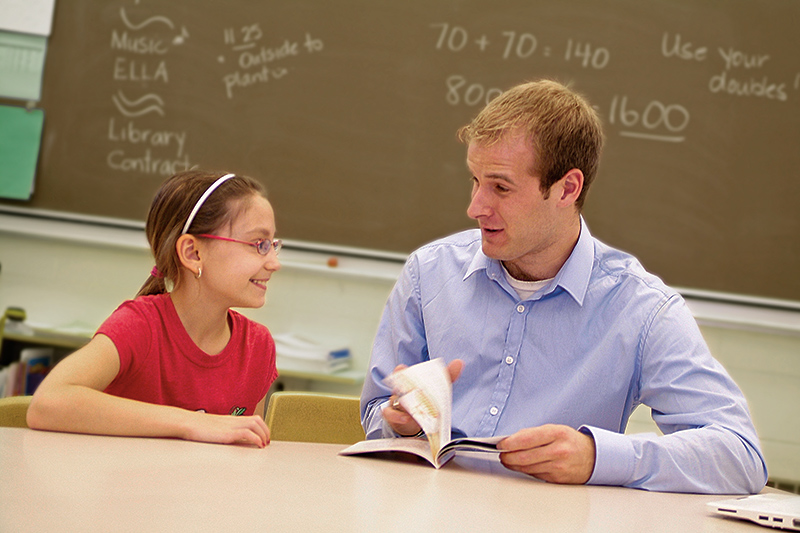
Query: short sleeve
{"points": [[131, 333]]}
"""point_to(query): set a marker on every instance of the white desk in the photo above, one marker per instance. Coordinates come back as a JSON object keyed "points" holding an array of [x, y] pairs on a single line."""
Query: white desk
{"points": [[62, 482]]}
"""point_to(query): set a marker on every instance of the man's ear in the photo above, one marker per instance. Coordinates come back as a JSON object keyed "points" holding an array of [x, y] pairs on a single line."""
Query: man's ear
{"points": [[188, 252], [570, 187]]}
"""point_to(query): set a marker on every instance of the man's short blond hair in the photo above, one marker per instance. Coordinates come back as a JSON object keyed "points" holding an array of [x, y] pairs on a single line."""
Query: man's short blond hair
{"points": [[563, 129]]}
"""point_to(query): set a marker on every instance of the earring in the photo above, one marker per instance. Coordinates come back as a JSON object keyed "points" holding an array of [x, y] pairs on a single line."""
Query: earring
{"points": [[199, 273]]}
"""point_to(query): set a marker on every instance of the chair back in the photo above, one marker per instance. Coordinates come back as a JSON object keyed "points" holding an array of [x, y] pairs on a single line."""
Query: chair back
{"points": [[314, 417], [13, 411]]}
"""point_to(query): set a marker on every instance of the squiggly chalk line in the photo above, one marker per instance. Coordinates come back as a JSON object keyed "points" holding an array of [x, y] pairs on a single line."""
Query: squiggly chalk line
{"points": [[151, 20], [121, 102]]}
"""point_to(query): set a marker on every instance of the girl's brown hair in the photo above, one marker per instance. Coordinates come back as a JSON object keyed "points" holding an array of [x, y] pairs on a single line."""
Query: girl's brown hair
{"points": [[170, 209]]}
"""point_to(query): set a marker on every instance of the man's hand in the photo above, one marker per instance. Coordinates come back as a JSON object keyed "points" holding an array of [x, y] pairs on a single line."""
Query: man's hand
{"points": [[554, 453], [397, 417]]}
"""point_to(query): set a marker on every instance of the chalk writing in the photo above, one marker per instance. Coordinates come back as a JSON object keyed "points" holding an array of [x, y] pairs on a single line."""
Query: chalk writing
{"points": [[733, 60], [247, 37], [473, 94], [761, 87], [238, 80], [313, 45], [455, 38], [267, 55], [138, 45], [655, 121], [520, 45], [648, 119], [526, 44], [737, 59], [140, 142], [146, 163], [129, 132], [684, 50], [258, 64], [132, 70], [587, 55]]}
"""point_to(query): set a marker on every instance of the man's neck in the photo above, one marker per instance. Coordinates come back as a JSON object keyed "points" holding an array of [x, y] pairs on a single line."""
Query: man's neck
{"points": [[546, 264]]}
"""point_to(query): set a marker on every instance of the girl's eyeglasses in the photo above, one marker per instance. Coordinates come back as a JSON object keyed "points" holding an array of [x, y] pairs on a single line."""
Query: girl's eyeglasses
{"points": [[263, 246]]}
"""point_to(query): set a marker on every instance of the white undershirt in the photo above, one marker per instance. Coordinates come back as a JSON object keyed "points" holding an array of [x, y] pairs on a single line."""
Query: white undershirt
{"points": [[525, 289]]}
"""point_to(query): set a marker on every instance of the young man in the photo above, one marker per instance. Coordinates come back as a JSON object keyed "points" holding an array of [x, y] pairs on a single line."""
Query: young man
{"points": [[552, 337]]}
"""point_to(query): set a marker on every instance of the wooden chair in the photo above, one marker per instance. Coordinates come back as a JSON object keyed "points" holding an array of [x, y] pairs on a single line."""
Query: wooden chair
{"points": [[13, 410], [314, 417]]}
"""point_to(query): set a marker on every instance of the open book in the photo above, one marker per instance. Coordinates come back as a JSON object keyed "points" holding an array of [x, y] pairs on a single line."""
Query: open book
{"points": [[420, 447], [425, 392]]}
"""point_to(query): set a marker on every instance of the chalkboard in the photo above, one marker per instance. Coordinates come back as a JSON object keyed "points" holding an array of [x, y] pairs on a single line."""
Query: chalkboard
{"points": [[347, 111]]}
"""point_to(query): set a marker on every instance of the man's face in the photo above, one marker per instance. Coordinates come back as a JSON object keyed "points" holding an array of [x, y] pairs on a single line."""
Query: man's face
{"points": [[519, 226]]}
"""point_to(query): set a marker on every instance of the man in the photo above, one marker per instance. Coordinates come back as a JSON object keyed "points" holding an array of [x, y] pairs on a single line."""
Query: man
{"points": [[552, 337]]}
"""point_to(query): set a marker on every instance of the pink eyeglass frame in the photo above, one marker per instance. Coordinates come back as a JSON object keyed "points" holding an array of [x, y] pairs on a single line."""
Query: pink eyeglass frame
{"points": [[274, 244]]}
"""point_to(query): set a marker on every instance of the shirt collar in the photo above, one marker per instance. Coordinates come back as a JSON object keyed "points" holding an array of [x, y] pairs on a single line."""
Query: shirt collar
{"points": [[573, 277], [481, 262]]}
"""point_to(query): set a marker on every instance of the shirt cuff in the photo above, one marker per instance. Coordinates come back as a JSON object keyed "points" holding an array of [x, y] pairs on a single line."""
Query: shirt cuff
{"points": [[614, 457]]}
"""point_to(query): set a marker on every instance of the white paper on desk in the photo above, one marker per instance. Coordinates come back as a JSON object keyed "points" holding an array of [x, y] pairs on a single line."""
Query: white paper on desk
{"points": [[426, 393]]}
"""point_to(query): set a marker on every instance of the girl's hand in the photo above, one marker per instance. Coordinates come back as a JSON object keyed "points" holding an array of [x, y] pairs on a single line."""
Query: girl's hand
{"points": [[224, 429]]}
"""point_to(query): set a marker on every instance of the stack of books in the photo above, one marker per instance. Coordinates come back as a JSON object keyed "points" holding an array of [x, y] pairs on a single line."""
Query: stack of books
{"points": [[305, 354], [21, 377]]}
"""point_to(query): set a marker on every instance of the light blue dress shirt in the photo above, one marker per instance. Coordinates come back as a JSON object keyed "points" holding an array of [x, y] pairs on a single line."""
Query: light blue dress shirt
{"points": [[601, 338]]}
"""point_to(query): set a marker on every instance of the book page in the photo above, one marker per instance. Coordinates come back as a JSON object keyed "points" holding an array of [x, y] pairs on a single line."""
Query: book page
{"points": [[418, 447], [425, 392], [475, 444]]}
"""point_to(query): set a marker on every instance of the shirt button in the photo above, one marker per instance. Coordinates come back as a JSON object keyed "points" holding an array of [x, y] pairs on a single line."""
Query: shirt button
{"points": [[509, 360], [520, 308], [493, 410]]}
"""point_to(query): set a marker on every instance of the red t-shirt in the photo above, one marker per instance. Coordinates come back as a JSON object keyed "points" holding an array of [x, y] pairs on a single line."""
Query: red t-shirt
{"points": [[160, 364]]}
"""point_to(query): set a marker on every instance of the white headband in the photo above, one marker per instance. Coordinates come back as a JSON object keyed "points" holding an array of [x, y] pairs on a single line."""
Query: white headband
{"points": [[202, 199]]}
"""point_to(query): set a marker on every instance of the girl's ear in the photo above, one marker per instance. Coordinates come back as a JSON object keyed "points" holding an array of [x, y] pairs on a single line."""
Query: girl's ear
{"points": [[187, 247]]}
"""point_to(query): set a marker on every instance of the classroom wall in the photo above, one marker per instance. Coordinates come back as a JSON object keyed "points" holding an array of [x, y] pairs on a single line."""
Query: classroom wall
{"points": [[74, 285]]}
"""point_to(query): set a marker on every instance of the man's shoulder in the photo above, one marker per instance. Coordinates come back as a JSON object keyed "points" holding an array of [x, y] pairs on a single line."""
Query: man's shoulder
{"points": [[446, 257], [468, 241], [453, 252], [622, 268]]}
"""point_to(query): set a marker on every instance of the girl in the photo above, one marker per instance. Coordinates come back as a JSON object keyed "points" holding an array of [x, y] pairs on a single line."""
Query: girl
{"points": [[177, 363]]}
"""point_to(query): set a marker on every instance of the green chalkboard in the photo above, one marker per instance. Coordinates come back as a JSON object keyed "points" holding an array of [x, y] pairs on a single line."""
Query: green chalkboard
{"points": [[347, 111]]}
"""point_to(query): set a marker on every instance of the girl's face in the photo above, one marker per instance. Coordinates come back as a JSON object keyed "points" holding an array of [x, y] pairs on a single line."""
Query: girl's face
{"points": [[235, 273]]}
